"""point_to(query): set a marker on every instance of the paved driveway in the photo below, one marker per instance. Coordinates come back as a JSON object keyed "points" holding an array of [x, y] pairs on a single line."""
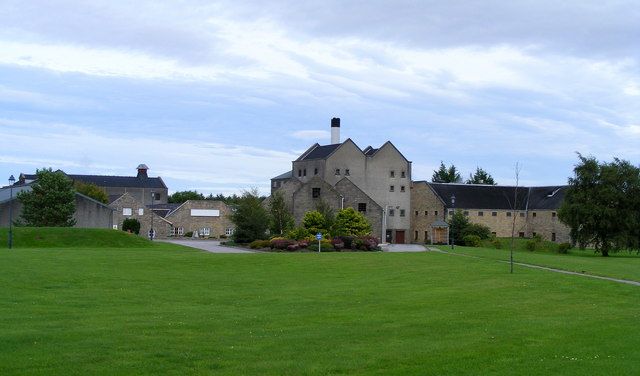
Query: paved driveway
{"points": [[403, 248], [212, 246]]}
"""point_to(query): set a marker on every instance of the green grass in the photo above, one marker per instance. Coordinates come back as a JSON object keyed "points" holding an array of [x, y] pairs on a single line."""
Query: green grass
{"points": [[175, 311], [68, 237], [622, 265]]}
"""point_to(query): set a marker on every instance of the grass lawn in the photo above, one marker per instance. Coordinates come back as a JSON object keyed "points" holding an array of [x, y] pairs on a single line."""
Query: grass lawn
{"points": [[622, 265], [162, 309]]}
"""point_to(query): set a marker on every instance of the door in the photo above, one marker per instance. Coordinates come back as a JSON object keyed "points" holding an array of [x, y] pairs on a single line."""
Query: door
{"points": [[389, 236], [399, 236]]}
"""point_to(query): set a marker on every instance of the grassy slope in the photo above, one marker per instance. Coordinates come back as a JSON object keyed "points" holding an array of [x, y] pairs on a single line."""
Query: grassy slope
{"points": [[162, 311], [623, 265], [54, 237]]}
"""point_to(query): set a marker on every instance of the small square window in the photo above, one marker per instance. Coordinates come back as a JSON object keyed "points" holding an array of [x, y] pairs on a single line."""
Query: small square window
{"points": [[392, 188], [493, 233], [228, 231], [126, 211], [315, 171], [315, 192], [553, 214], [402, 212], [402, 188], [156, 196], [553, 236], [403, 174], [392, 212], [533, 234], [346, 172], [465, 213], [521, 234], [140, 211], [494, 214], [508, 214], [392, 174], [522, 214], [480, 214], [435, 213], [362, 207], [304, 172], [337, 171], [417, 212], [426, 212], [533, 214], [299, 173], [180, 231]]}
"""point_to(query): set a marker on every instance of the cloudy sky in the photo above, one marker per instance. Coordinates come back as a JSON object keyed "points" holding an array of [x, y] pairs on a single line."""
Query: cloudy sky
{"points": [[220, 97]]}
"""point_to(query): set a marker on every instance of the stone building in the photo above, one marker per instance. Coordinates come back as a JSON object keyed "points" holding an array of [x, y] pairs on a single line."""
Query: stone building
{"points": [[533, 208], [374, 181]]}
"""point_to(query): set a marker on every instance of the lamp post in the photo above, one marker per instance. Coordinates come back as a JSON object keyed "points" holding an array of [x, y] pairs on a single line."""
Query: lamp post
{"points": [[11, 181], [453, 207], [151, 232]]}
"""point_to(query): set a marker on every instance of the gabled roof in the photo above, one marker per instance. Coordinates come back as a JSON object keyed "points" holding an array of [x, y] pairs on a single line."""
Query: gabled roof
{"points": [[320, 152], [111, 181], [480, 196], [286, 175], [369, 151]]}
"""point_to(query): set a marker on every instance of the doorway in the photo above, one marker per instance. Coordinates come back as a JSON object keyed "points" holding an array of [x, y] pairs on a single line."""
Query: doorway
{"points": [[399, 236]]}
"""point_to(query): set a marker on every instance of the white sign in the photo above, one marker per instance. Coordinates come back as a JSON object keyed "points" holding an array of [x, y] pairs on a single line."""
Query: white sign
{"points": [[205, 213]]}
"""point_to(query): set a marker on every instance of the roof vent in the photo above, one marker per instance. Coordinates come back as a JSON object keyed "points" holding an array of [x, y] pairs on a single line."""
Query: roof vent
{"points": [[552, 193], [142, 171]]}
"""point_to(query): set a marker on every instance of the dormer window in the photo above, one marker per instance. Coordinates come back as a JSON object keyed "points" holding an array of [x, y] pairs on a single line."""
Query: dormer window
{"points": [[337, 171]]}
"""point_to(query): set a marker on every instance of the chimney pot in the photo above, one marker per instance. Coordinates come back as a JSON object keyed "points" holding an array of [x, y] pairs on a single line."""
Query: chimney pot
{"points": [[335, 130]]}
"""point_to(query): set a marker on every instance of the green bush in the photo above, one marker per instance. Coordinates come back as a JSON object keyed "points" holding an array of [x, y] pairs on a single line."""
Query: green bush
{"points": [[564, 248], [534, 243], [259, 244], [481, 231], [188, 234], [298, 233], [472, 240], [131, 225], [496, 243]]}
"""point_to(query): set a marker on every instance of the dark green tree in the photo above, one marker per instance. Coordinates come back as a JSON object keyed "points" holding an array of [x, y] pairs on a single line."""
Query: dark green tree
{"points": [[350, 222], [314, 222], [601, 205], [131, 225], [281, 219], [250, 217], [481, 177], [93, 191], [329, 215], [182, 196], [446, 174], [458, 223], [51, 201]]}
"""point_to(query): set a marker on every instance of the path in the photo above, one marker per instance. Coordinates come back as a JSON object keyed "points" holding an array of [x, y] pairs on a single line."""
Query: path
{"points": [[403, 248], [626, 281], [212, 246]]}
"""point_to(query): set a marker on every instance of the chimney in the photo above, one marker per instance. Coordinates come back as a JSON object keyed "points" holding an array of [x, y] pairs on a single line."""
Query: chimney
{"points": [[142, 171], [335, 130]]}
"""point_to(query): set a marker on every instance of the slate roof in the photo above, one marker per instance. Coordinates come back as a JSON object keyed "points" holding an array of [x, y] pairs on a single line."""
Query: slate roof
{"points": [[5, 192], [164, 209], [369, 151], [478, 196], [320, 152], [112, 181], [286, 175]]}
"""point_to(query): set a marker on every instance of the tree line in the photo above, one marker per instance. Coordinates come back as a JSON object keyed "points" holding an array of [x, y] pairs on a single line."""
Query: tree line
{"points": [[451, 174]]}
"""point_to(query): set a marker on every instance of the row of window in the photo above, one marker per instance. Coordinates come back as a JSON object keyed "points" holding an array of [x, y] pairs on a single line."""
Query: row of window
{"points": [[303, 172], [392, 188], [520, 234], [204, 231], [392, 212], [392, 174], [128, 211], [426, 213], [495, 214]]}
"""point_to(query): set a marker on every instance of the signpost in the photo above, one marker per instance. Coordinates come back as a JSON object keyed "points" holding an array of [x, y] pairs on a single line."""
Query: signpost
{"points": [[319, 237]]}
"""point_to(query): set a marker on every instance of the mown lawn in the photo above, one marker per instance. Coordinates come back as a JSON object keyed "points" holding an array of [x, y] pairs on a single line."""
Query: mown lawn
{"points": [[623, 265], [168, 310]]}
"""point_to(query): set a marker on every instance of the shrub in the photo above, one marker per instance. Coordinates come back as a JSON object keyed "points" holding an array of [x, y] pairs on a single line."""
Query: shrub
{"points": [[481, 231], [293, 247], [131, 225], [347, 240], [259, 244], [298, 233], [280, 243], [496, 243], [188, 234], [531, 245], [472, 240], [338, 244], [564, 248]]}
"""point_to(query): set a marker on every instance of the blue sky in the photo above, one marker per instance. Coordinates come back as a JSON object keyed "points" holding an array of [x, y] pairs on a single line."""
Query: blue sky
{"points": [[221, 96]]}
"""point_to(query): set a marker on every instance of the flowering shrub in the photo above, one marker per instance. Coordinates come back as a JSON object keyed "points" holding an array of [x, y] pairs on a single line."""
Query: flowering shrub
{"points": [[281, 243]]}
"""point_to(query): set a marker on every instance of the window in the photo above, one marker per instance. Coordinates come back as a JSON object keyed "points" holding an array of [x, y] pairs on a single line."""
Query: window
{"points": [[493, 233], [533, 234], [275, 184], [553, 236], [346, 172], [362, 207], [205, 231], [337, 171], [304, 172], [426, 212], [508, 214], [435, 213], [228, 231], [315, 192], [466, 213], [402, 212], [392, 212], [392, 188], [403, 174], [415, 236], [180, 231], [299, 173], [494, 214], [315, 171], [426, 236], [521, 234], [533, 214], [126, 211], [417, 212], [392, 174], [156, 196], [140, 211], [480, 214], [402, 188], [522, 214], [553, 214]]}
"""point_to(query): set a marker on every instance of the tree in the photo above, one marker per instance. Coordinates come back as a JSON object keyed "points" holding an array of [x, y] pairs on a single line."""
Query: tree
{"points": [[92, 190], [458, 222], [281, 219], [350, 222], [446, 174], [601, 205], [182, 196], [481, 177], [51, 201], [250, 217], [314, 222], [131, 225], [329, 216]]}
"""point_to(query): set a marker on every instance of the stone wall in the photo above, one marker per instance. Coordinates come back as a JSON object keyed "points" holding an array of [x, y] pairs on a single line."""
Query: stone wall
{"points": [[92, 214], [426, 209], [182, 217], [303, 200], [145, 216], [353, 197]]}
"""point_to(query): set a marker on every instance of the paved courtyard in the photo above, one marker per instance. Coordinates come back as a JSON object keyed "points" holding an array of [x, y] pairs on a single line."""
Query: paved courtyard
{"points": [[403, 248], [212, 246]]}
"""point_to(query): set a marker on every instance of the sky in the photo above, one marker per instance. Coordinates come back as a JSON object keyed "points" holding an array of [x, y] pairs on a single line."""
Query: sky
{"points": [[219, 97]]}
